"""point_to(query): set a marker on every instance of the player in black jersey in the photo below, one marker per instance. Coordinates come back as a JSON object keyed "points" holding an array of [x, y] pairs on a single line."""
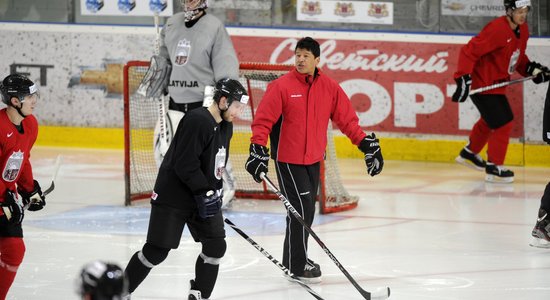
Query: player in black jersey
{"points": [[188, 190]]}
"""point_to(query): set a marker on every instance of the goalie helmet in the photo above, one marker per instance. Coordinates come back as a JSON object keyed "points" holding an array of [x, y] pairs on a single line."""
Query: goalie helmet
{"points": [[16, 85], [192, 8], [102, 281], [232, 89], [515, 4]]}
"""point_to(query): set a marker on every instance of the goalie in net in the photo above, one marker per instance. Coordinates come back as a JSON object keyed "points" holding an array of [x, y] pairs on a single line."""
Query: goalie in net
{"points": [[194, 52]]}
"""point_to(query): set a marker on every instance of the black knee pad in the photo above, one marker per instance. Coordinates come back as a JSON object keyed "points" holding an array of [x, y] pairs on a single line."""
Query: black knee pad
{"points": [[214, 248], [154, 254]]}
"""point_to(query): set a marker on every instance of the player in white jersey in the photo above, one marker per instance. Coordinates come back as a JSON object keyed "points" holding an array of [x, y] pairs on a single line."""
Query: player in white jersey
{"points": [[201, 52]]}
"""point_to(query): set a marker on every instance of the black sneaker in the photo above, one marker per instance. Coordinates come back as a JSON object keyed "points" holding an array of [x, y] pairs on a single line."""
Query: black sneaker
{"points": [[499, 174], [541, 232], [470, 159]]}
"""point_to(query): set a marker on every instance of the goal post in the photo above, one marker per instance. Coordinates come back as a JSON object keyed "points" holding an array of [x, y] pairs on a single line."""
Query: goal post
{"points": [[140, 117]]}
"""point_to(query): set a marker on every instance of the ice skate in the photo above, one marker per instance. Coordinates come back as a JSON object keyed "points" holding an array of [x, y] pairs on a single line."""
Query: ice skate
{"points": [[541, 232], [194, 294], [471, 160], [498, 174]]}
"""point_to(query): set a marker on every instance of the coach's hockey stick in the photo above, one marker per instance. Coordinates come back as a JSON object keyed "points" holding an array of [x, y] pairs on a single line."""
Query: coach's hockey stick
{"points": [[380, 293], [273, 260], [498, 85]]}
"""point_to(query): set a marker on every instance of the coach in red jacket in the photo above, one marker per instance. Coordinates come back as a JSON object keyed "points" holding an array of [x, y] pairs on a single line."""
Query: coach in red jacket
{"points": [[294, 113]]}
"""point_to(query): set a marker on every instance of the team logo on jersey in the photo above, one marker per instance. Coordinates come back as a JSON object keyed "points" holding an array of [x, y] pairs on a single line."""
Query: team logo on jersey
{"points": [[182, 52], [12, 167], [219, 166], [513, 61]]}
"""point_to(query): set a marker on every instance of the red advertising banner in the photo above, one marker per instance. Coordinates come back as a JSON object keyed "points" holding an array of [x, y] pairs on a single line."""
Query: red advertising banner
{"points": [[402, 87]]}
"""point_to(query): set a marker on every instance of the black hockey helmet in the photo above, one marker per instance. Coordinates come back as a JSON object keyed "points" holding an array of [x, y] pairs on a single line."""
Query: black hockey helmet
{"points": [[102, 281], [515, 4], [16, 85], [232, 89]]}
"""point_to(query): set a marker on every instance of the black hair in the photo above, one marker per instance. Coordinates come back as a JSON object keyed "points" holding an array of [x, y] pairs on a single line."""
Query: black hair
{"points": [[309, 44]]}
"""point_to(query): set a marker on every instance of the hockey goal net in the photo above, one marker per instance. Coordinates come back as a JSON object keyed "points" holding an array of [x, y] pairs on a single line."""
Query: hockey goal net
{"points": [[140, 117]]}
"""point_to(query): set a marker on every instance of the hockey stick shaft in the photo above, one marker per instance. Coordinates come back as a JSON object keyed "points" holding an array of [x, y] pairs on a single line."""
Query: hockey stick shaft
{"points": [[498, 85], [272, 259], [379, 294], [52, 184]]}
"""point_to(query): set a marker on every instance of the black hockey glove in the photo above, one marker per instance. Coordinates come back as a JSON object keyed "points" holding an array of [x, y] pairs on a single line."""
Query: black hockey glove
{"points": [[13, 210], [462, 91], [208, 203], [34, 200], [257, 162], [373, 155], [541, 72]]}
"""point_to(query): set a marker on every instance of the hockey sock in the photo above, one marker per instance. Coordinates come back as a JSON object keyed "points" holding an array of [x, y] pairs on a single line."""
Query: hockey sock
{"points": [[498, 144], [206, 275], [141, 264], [545, 200], [479, 136], [12, 251], [208, 265]]}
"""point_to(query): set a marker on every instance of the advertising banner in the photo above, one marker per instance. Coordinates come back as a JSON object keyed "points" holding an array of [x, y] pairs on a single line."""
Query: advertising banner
{"points": [[403, 87], [472, 8], [126, 7], [369, 12]]}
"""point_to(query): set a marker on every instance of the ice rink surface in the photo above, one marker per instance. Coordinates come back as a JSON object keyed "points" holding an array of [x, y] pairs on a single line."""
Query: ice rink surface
{"points": [[427, 230]]}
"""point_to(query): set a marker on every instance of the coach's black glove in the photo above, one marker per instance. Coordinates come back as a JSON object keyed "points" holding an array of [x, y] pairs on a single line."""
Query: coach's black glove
{"points": [[208, 203], [462, 91], [541, 72], [13, 209], [257, 162], [373, 155], [33, 200]]}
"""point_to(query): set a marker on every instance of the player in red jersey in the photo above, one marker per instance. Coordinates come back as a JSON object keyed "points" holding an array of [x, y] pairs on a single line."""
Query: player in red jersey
{"points": [[18, 131], [489, 58]]}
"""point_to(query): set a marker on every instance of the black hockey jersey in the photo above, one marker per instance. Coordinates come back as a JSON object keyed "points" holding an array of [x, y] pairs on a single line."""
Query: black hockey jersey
{"points": [[195, 161]]}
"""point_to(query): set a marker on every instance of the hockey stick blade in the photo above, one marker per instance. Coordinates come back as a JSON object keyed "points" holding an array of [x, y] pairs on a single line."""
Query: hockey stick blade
{"points": [[498, 85], [273, 260], [380, 293]]}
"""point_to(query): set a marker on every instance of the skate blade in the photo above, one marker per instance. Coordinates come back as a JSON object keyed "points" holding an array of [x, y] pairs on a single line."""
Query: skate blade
{"points": [[539, 243], [496, 179], [468, 164]]}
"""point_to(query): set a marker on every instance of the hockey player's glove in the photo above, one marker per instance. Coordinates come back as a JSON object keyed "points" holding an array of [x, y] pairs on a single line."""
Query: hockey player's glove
{"points": [[13, 209], [463, 84], [541, 72], [373, 155], [33, 200], [208, 203], [257, 162]]}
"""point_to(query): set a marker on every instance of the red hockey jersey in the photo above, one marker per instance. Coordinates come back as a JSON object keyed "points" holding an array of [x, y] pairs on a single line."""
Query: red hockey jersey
{"points": [[494, 54], [15, 150]]}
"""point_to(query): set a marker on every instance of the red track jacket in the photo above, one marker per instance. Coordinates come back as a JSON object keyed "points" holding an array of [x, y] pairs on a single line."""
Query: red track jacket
{"points": [[304, 106], [494, 54]]}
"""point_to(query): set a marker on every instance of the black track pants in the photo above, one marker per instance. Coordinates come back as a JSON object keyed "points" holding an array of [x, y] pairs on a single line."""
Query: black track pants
{"points": [[299, 184]]}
